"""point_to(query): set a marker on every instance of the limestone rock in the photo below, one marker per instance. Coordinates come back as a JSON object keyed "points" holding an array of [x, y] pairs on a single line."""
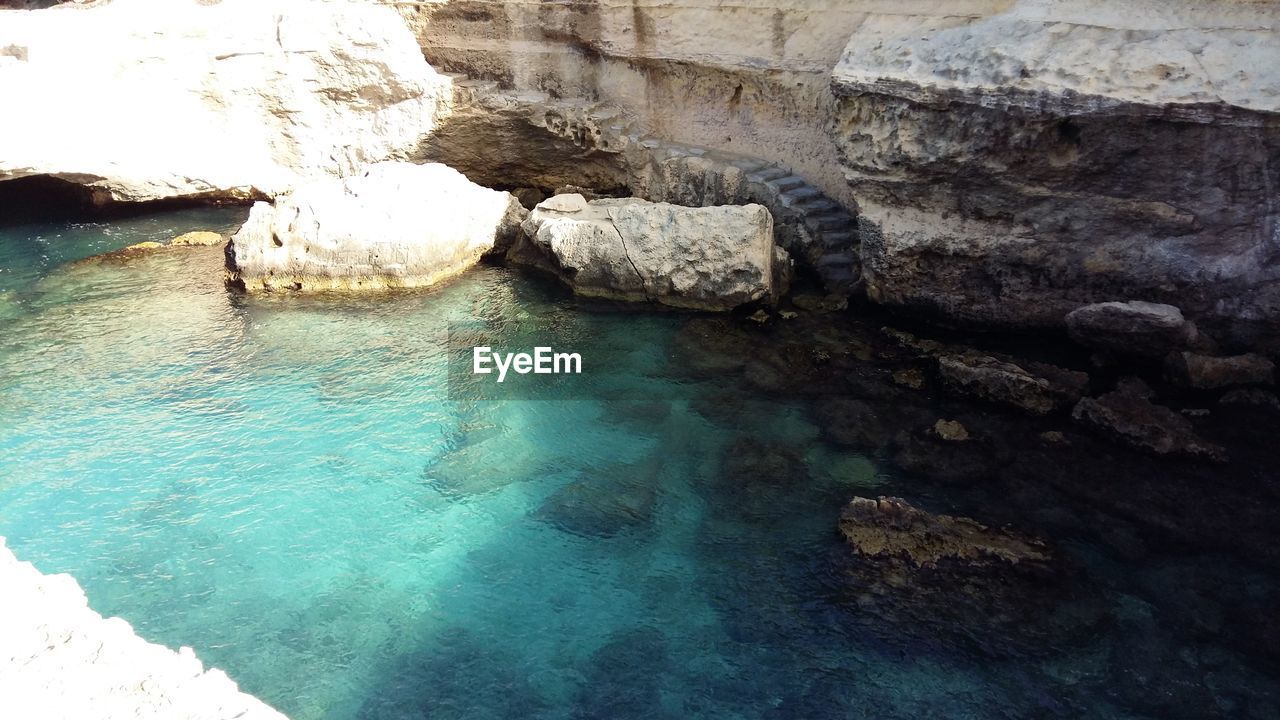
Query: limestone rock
{"points": [[711, 258], [60, 659], [235, 99], [1206, 373], [395, 225], [1138, 422], [1130, 328], [198, 238], [1000, 158], [951, 430], [1037, 388], [891, 529]]}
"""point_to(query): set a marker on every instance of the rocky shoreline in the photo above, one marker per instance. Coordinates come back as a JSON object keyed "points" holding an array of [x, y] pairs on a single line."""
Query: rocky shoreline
{"points": [[60, 659]]}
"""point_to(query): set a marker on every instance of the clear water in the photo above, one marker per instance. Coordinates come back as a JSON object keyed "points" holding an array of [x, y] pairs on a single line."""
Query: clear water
{"points": [[284, 485]]}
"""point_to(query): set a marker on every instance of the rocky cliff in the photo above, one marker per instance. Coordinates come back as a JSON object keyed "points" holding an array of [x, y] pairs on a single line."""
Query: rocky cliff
{"points": [[1047, 155], [1012, 160]]}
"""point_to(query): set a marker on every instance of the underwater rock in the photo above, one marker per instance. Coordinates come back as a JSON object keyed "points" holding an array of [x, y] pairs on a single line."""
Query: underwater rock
{"points": [[394, 225], [236, 99], [198, 238], [707, 258], [1135, 420], [852, 423], [1130, 328], [891, 530], [758, 474], [1037, 388], [947, 580], [1203, 372], [606, 501]]}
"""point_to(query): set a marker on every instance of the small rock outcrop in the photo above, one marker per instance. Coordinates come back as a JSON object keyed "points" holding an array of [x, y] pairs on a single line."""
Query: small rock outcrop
{"points": [[1204, 372], [1037, 388], [1131, 328], [395, 225], [706, 258], [60, 659], [198, 238], [235, 99], [892, 531], [1128, 416]]}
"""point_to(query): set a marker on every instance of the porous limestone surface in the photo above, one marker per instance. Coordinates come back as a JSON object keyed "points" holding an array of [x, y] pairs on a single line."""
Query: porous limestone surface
{"points": [[151, 99], [60, 660], [1085, 55]]}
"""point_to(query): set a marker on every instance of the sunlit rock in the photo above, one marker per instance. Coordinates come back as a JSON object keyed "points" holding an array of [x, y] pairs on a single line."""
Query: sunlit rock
{"points": [[149, 99], [395, 225], [710, 258]]}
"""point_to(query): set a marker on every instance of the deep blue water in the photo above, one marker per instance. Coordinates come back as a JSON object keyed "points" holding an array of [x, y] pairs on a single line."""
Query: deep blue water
{"points": [[285, 485]]}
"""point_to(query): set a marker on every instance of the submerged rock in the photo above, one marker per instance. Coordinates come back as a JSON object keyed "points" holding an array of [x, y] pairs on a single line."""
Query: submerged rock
{"points": [[198, 238], [1203, 372], [394, 225], [945, 579], [1130, 328], [235, 99], [605, 502], [709, 258], [1037, 388], [1135, 420], [891, 530]]}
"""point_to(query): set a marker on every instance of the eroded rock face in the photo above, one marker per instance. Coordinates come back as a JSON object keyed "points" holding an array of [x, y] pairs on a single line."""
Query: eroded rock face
{"points": [[1032, 158], [711, 258], [232, 100], [395, 225]]}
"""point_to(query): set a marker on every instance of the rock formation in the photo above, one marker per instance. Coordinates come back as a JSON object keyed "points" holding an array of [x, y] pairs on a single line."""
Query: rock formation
{"points": [[1131, 328], [711, 258], [1133, 419], [395, 225], [149, 99], [1030, 157], [60, 659], [1207, 373]]}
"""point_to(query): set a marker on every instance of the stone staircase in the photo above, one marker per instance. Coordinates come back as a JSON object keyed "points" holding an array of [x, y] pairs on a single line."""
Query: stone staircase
{"points": [[820, 234]]}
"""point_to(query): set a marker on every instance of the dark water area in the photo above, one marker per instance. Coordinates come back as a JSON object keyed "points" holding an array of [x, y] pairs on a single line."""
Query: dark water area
{"points": [[287, 485]]}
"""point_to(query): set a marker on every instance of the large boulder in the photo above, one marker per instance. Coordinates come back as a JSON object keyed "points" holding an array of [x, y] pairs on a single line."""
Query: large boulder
{"points": [[150, 99], [709, 258], [395, 225], [1204, 372], [1131, 328]]}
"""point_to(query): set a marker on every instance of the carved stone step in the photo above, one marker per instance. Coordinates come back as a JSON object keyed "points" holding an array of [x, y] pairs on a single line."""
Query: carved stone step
{"points": [[787, 183], [767, 174], [838, 239], [832, 221], [804, 193]]}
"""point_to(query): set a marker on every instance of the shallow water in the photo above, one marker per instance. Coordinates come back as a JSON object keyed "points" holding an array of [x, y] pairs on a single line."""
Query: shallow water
{"points": [[286, 485]]}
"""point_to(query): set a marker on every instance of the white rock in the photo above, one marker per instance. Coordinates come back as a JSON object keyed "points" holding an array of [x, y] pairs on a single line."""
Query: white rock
{"points": [[148, 99], [710, 258], [60, 660], [395, 225]]}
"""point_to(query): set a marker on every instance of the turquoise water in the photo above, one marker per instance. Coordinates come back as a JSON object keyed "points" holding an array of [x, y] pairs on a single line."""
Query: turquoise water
{"points": [[285, 485]]}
